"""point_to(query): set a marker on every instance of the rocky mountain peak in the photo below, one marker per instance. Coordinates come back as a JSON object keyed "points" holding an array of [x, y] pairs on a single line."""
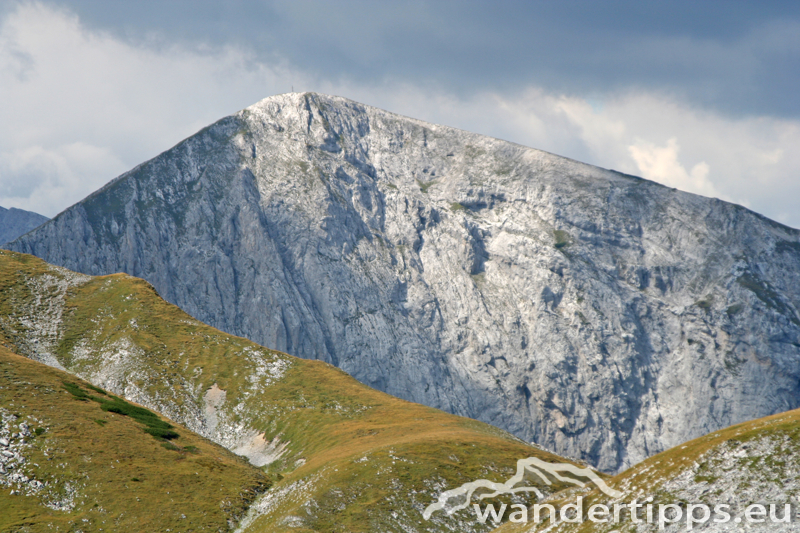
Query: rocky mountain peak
{"points": [[600, 315]]}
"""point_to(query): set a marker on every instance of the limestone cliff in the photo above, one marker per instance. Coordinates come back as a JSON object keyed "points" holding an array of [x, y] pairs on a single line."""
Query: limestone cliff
{"points": [[600, 315]]}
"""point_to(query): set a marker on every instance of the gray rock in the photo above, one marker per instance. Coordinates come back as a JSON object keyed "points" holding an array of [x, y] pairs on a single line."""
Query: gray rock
{"points": [[15, 222], [600, 315]]}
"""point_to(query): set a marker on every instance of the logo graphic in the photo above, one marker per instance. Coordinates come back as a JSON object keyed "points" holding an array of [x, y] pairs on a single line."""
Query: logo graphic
{"points": [[453, 500]]}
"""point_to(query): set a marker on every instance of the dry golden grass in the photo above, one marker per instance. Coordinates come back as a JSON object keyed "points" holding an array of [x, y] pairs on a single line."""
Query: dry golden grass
{"points": [[356, 459], [124, 479], [649, 475]]}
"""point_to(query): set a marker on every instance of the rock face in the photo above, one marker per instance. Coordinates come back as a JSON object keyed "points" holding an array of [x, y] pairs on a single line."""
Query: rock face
{"points": [[600, 315], [15, 222]]}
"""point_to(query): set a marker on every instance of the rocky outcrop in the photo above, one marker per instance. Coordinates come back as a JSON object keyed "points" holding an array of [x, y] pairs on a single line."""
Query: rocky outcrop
{"points": [[15, 222], [742, 478], [600, 315]]}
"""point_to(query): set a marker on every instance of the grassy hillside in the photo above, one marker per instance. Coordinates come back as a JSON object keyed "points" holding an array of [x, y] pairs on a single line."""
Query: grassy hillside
{"points": [[345, 457], [756, 462], [71, 463]]}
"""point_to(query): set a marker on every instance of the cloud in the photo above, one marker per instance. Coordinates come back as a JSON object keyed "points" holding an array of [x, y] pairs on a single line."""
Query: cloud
{"points": [[47, 180], [748, 160], [661, 164], [741, 60], [78, 106]]}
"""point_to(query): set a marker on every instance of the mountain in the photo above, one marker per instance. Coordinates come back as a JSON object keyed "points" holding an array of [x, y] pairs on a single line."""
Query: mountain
{"points": [[753, 463], [75, 458], [335, 455], [600, 315], [15, 222], [343, 457]]}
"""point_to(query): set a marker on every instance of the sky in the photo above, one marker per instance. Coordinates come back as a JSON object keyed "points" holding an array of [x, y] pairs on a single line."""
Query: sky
{"points": [[702, 96]]}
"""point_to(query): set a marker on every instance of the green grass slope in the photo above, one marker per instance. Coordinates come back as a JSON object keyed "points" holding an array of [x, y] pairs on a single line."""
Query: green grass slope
{"points": [[78, 459], [756, 462], [345, 457]]}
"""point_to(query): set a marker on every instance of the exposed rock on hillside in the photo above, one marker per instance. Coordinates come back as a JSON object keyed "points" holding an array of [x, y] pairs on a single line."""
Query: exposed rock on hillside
{"points": [[742, 478], [345, 457], [601, 315], [68, 464]]}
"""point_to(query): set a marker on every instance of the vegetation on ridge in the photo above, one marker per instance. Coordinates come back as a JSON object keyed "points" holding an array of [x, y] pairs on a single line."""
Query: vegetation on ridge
{"points": [[350, 458], [751, 462], [153, 424], [85, 469]]}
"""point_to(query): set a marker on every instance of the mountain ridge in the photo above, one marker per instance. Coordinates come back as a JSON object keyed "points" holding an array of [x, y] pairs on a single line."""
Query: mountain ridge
{"points": [[367, 462], [67, 464], [16, 222], [341, 456], [754, 462], [600, 315]]}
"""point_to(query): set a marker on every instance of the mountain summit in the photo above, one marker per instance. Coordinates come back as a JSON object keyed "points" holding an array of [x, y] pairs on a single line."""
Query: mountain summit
{"points": [[600, 315]]}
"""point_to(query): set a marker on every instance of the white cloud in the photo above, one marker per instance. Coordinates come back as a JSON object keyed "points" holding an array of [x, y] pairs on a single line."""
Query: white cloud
{"points": [[47, 180], [661, 164], [78, 107]]}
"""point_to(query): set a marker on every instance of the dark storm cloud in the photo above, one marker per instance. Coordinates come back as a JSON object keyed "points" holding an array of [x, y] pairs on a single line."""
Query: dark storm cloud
{"points": [[700, 96], [740, 58]]}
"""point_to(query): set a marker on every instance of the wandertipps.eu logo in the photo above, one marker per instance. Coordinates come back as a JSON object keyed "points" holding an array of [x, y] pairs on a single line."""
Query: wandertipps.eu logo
{"points": [[531, 468], [636, 511]]}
